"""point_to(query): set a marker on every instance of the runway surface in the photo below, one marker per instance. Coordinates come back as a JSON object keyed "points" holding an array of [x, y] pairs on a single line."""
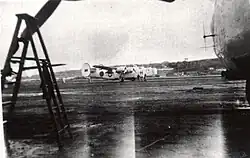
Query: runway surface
{"points": [[175, 117]]}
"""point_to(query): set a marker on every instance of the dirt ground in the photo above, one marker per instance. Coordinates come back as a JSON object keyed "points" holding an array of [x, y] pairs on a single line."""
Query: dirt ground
{"points": [[132, 119]]}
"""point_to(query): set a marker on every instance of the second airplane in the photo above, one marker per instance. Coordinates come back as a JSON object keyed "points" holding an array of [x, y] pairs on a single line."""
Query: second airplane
{"points": [[117, 73]]}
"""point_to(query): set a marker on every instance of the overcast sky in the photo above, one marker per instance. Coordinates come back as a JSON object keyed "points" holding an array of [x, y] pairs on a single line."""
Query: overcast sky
{"points": [[114, 32]]}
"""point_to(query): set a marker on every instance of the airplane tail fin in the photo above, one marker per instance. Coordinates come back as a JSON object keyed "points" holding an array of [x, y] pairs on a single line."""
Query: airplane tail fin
{"points": [[85, 71]]}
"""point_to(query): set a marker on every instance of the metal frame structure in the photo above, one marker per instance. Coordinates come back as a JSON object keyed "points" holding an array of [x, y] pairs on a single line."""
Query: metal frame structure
{"points": [[48, 80]]}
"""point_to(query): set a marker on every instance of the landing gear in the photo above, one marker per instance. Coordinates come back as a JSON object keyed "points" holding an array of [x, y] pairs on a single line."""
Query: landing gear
{"points": [[232, 75], [145, 78], [138, 77], [247, 90], [142, 78], [121, 78], [89, 80], [223, 75]]}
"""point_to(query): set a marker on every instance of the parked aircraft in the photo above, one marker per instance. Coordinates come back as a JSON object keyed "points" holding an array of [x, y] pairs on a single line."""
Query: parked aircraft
{"points": [[230, 32], [117, 73], [42, 16], [231, 36]]}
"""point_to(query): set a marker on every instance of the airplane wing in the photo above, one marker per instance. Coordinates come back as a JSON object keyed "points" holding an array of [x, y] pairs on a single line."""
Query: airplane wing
{"points": [[104, 67], [109, 69], [42, 16]]}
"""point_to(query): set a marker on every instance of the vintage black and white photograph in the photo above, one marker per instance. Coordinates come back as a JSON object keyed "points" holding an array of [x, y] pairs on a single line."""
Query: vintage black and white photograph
{"points": [[125, 78]]}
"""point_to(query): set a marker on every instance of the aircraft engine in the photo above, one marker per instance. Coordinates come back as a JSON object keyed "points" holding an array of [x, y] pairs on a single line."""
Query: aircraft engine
{"points": [[85, 70], [141, 71], [130, 69], [110, 74], [101, 73], [120, 69]]}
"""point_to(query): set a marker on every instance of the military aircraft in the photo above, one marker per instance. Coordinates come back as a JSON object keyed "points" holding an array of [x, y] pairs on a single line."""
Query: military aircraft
{"points": [[230, 32], [41, 17], [117, 73]]}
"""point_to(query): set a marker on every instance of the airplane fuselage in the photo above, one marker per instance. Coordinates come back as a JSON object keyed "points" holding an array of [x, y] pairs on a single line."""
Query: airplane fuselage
{"points": [[231, 26], [108, 73], [117, 73], [104, 74]]}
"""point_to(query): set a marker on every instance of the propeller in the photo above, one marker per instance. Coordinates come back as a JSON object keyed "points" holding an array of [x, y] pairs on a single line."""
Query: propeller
{"points": [[45, 12], [42, 16]]}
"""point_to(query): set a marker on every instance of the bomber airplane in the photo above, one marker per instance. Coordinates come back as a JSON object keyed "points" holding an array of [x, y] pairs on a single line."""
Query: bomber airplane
{"points": [[231, 36], [117, 73], [41, 17], [230, 32]]}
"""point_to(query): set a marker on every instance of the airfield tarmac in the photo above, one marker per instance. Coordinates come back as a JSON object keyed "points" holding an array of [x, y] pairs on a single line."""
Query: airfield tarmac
{"points": [[164, 117]]}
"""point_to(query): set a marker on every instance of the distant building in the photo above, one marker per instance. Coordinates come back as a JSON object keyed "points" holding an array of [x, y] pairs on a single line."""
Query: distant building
{"points": [[165, 71], [151, 71]]}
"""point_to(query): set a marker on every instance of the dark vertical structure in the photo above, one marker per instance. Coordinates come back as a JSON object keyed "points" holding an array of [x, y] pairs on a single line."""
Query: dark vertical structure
{"points": [[48, 80]]}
